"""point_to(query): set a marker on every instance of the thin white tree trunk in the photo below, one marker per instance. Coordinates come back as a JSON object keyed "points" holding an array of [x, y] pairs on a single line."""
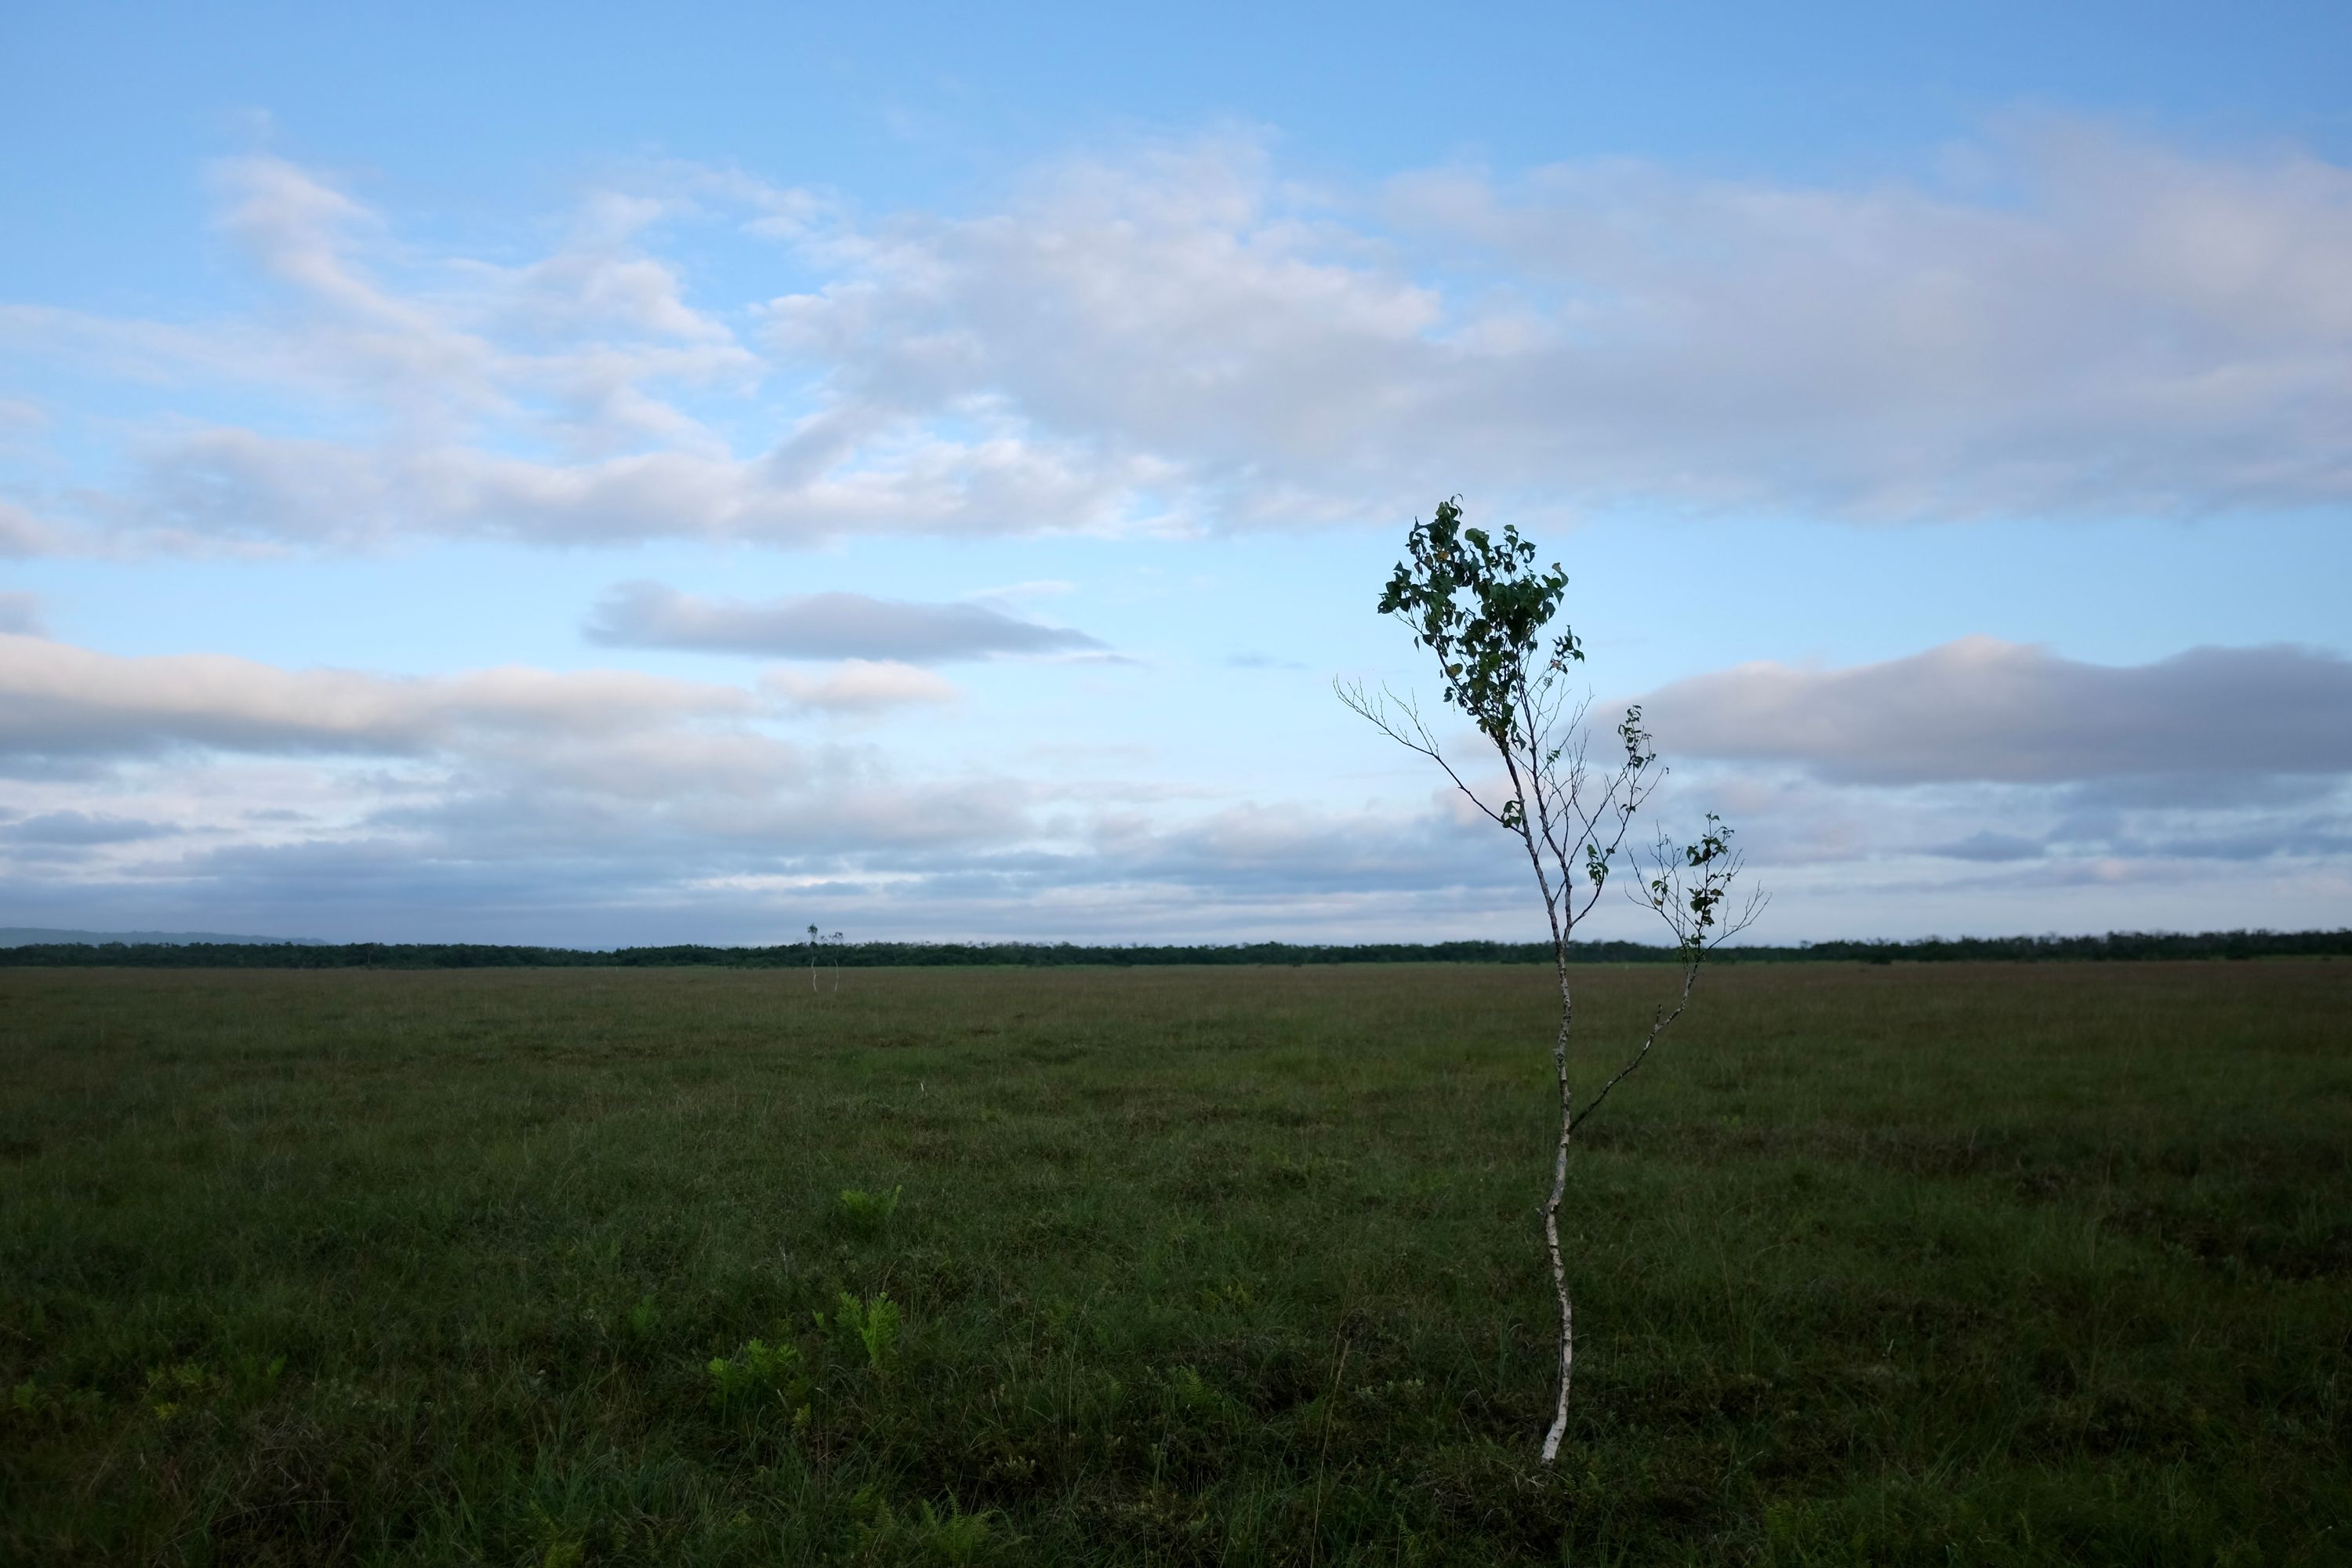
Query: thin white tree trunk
{"points": [[1528, 790], [1552, 1223]]}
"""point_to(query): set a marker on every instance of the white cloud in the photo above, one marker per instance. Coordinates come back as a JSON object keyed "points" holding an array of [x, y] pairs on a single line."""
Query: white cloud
{"points": [[308, 236], [230, 484], [2126, 329], [1180, 337]]}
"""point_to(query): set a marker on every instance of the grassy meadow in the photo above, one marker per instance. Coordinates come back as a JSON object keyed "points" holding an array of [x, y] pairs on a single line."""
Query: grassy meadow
{"points": [[1967, 1263]]}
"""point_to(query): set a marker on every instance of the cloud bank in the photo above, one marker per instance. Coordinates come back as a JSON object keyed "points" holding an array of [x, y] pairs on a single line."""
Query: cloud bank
{"points": [[2211, 788], [1983, 710], [59, 701], [596, 806]]}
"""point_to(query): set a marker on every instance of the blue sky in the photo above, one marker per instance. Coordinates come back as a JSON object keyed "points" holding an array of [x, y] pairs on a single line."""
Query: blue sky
{"points": [[586, 476]]}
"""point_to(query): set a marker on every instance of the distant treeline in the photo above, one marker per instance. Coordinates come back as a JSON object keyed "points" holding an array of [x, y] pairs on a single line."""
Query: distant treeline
{"points": [[2114, 946]]}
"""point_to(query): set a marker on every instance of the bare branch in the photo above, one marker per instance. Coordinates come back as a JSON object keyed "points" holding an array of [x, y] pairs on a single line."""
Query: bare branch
{"points": [[1658, 1022], [1420, 740]]}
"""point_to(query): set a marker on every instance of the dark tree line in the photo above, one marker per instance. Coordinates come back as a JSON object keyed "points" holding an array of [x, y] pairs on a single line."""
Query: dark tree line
{"points": [[2111, 947]]}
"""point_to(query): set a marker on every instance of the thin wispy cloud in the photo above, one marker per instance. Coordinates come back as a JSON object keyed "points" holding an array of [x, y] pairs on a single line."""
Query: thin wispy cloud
{"points": [[22, 535], [76, 830], [822, 626], [857, 686], [20, 613]]}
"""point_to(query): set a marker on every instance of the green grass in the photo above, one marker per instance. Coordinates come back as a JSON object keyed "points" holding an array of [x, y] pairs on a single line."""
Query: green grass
{"points": [[1970, 1263]]}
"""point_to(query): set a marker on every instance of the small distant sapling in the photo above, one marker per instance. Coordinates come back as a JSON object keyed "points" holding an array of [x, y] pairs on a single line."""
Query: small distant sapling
{"points": [[1481, 607], [824, 944]]}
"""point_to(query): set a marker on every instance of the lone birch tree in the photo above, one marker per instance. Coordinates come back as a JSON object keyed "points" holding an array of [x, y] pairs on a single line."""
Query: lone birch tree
{"points": [[1482, 608]]}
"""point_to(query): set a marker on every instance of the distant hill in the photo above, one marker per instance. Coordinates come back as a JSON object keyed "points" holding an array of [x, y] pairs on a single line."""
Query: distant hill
{"points": [[38, 936]]}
